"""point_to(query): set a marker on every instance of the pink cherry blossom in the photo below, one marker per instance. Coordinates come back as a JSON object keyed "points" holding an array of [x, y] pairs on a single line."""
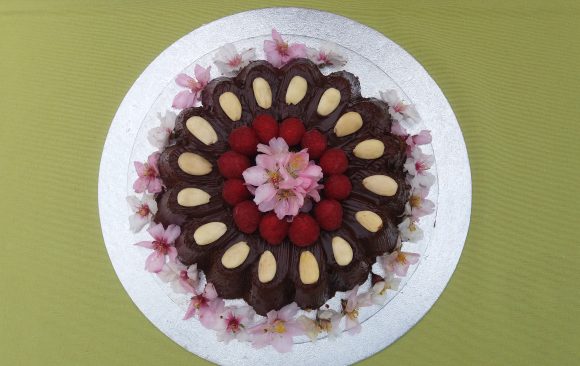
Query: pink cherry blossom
{"points": [[379, 291], [278, 52], [399, 110], [162, 246], [410, 231], [229, 60], [181, 278], [398, 262], [148, 175], [234, 323], [189, 98], [159, 136], [418, 204], [327, 320], [143, 209], [208, 306], [351, 306], [398, 130], [326, 55], [422, 138], [278, 329], [282, 181], [418, 165]]}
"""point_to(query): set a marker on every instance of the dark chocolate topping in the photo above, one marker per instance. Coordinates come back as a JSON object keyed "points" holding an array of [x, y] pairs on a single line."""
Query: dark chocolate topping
{"points": [[286, 287]]}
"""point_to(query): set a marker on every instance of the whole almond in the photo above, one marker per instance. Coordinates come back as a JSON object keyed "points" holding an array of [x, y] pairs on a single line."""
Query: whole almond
{"points": [[266, 267], [194, 164], [383, 185], [296, 90], [308, 268], [328, 102], [210, 232], [348, 123], [342, 251], [262, 92], [235, 255], [369, 149], [202, 130], [191, 197], [369, 220], [231, 106]]}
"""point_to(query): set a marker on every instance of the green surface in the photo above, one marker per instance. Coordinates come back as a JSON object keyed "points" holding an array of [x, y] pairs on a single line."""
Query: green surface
{"points": [[510, 71]]}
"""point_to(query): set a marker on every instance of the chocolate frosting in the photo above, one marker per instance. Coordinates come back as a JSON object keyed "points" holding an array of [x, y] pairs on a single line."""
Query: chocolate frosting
{"points": [[286, 287]]}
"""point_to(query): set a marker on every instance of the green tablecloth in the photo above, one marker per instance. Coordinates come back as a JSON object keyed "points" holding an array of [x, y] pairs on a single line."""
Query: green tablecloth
{"points": [[509, 69]]}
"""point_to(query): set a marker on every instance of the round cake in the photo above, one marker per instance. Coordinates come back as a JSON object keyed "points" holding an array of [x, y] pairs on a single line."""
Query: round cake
{"points": [[354, 218], [277, 190]]}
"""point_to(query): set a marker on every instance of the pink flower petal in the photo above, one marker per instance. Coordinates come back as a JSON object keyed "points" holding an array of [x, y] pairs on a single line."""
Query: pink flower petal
{"points": [[202, 75], [171, 233], [288, 312], [352, 326], [276, 36], [186, 286], [297, 50], [155, 185], [152, 161], [141, 184], [423, 138], [265, 192], [282, 343], [172, 254], [268, 205], [155, 262], [190, 311], [184, 99], [137, 222], [139, 168], [185, 80], [279, 145], [156, 231], [210, 291], [255, 175], [412, 258], [145, 244]]}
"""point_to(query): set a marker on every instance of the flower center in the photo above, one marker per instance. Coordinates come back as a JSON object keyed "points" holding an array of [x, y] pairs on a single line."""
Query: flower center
{"points": [[282, 48], [236, 61], [199, 301], [284, 181], [233, 324], [149, 171], [401, 258], [399, 107], [274, 177], [143, 210], [160, 247], [352, 314], [415, 201], [279, 327]]}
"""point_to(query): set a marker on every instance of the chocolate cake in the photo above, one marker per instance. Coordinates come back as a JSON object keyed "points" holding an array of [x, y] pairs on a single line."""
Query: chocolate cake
{"points": [[240, 261]]}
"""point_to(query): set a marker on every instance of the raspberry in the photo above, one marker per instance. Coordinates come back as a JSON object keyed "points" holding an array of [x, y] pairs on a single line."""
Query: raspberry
{"points": [[247, 216], [272, 229], [266, 127], [235, 191], [328, 213], [243, 140], [232, 164], [337, 186], [315, 142], [291, 130], [333, 161], [304, 230]]}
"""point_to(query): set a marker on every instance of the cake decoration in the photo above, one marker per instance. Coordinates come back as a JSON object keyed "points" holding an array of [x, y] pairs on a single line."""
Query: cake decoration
{"points": [[282, 186]]}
